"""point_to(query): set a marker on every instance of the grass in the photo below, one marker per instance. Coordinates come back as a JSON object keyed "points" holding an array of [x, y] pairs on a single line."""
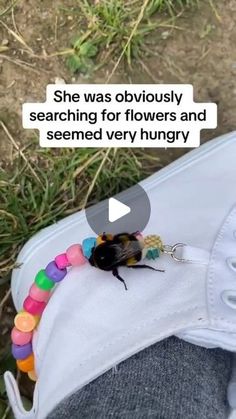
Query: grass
{"points": [[114, 28], [42, 186], [108, 30]]}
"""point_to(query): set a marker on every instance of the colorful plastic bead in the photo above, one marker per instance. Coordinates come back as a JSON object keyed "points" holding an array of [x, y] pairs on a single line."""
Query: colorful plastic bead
{"points": [[21, 352], [75, 255], [38, 294], [139, 235], [26, 365], [34, 307], [54, 273], [32, 375], [25, 322], [153, 254], [153, 241], [43, 282], [20, 338], [87, 246], [62, 261]]}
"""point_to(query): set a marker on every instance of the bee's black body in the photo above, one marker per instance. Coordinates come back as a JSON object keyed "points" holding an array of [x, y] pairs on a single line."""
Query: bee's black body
{"points": [[120, 250]]}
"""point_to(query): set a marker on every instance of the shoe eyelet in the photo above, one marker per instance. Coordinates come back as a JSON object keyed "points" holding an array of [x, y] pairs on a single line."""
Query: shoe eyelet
{"points": [[229, 298], [232, 263]]}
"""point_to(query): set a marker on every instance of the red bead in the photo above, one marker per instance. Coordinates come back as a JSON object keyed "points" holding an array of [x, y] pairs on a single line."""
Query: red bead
{"points": [[34, 307]]}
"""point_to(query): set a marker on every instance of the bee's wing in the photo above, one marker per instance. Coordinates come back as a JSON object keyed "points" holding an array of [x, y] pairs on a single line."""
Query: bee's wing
{"points": [[130, 251]]}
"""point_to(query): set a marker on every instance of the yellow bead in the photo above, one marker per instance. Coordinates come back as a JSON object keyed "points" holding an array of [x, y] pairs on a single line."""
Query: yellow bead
{"points": [[32, 375], [25, 322], [153, 241]]}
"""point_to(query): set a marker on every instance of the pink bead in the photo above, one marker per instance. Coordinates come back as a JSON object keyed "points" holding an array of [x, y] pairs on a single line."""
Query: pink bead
{"points": [[34, 307], [20, 338], [75, 255], [39, 294], [62, 261]]}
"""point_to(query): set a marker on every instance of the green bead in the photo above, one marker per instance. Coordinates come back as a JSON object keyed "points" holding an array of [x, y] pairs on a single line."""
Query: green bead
{"points": [[43, 282], [153, 253], [156, 253], [149, 254]]}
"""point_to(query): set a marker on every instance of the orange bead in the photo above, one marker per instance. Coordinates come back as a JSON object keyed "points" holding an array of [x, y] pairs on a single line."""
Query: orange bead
{"points": [[32, 375], [27, 364], [25, 322]]}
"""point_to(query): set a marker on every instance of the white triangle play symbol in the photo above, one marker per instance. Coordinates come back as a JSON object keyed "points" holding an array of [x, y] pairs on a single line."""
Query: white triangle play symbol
{"points": [[116, 209]]}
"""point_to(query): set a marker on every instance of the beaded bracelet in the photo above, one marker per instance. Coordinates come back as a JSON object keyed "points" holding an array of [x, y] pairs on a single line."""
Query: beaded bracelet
{"points": [[106, 252]]}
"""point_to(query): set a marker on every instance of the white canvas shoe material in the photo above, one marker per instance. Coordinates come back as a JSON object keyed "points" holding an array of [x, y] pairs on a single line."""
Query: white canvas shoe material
{"points": [[91, 323]]}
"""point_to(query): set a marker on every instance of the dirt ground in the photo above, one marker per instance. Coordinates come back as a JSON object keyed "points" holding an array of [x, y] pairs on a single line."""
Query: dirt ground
{"points": [[201, 52]]}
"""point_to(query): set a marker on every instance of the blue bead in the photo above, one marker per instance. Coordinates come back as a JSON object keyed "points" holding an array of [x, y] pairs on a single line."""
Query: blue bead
{"points": [[87, 246]]}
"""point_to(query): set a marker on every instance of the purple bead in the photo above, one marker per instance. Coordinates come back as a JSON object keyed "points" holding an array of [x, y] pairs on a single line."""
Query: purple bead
{"points": [[54, 273], [21, 352]]}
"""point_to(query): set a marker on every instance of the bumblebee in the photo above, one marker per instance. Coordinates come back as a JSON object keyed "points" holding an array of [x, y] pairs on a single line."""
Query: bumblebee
{"points": [[119, 250]]}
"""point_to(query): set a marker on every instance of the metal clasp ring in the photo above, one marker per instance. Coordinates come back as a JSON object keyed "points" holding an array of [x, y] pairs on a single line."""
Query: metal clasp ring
{"points": [[171, 250]]}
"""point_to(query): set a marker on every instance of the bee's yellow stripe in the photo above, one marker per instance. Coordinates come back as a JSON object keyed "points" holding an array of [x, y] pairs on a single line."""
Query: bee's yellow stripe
{"points": [[131, 261]]}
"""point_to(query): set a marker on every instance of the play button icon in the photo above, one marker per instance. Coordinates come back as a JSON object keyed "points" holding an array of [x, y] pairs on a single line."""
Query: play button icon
{"points": [[128, 211], [116, 210]]}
